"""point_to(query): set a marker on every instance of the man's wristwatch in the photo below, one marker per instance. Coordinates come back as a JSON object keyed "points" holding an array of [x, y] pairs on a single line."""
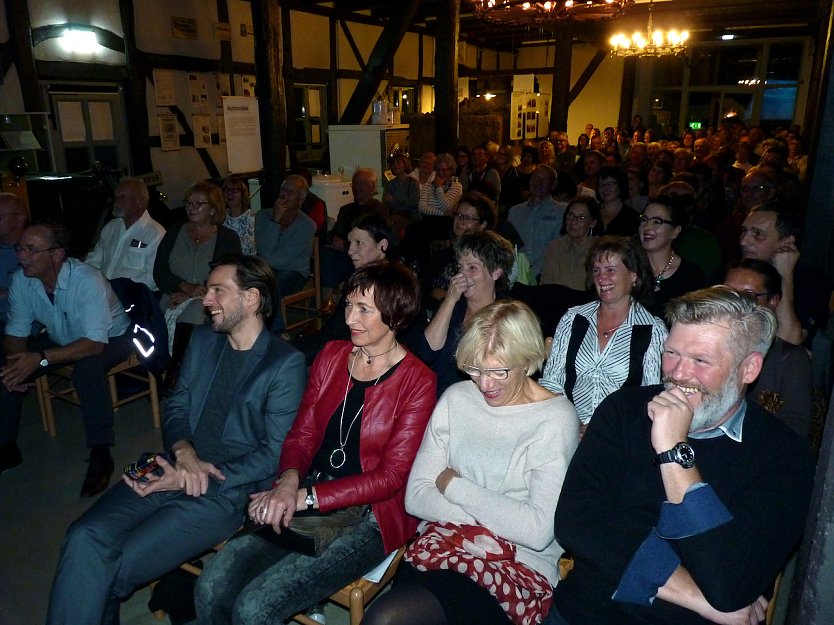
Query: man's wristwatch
{"points": [[310, 499], [681, 453], [44, 360]]}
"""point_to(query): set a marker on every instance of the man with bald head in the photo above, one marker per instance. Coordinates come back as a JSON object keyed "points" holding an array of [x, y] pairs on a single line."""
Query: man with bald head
{"points": [[12, 220], [126, 247]]}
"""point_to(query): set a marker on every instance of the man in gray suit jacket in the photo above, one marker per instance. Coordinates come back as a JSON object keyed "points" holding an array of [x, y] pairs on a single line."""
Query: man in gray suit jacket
{"points": [[225, 422]]}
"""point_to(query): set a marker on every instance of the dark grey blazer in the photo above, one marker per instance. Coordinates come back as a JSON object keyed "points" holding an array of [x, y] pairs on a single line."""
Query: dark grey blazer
{"points": [[263, 408]]}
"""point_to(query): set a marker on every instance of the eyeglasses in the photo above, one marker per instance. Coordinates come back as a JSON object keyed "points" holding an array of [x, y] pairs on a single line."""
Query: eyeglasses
{"points": [[495, 374], [654, 221], [580, 218], [754, 294], [464, 217], [196, 203], [28, 250]]}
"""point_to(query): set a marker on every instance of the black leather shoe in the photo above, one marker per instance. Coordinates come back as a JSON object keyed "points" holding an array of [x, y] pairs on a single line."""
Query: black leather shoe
{"points": [[98, 476], [10, 457]]}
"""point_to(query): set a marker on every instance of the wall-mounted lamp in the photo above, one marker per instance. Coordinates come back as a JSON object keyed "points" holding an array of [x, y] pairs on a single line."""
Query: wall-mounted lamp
{"points": [[79, 41]]}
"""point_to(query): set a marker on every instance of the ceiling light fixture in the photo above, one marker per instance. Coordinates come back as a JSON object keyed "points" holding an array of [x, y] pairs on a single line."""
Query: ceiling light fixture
{"points": [[651, 43], [527, 12]]}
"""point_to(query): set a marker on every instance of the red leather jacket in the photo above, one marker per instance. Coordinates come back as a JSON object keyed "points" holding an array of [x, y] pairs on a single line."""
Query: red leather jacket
{"points": [[395, 416]]}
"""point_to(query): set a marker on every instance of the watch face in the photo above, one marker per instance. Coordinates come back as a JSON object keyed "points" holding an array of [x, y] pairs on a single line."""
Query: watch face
{"points": [[44, 362], [685, 455]]}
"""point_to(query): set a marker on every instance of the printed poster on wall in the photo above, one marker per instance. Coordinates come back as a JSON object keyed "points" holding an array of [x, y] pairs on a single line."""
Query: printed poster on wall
{"points": [[197, 88], [169, 135], [202, 130], [222, 87], [163, 83], [243, 134]]}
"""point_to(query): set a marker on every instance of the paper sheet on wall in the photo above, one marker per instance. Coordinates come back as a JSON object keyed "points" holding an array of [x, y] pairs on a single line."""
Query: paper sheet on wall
{"points": [[243, 134], [169, 135], [201, 124], [197, 89], [222, 86], [163, 82]]}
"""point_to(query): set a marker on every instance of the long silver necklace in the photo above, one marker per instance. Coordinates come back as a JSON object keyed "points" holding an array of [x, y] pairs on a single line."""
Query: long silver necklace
{"points": [[659, 277], [338, 457]]}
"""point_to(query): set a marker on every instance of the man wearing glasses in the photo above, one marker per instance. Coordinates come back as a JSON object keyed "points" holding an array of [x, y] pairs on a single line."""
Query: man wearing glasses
{"points": [[785, 385], [85, 324]]}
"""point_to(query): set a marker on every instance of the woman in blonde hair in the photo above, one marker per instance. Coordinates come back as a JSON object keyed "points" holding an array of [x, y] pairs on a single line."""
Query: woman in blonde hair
{"points": [[486, 481]]}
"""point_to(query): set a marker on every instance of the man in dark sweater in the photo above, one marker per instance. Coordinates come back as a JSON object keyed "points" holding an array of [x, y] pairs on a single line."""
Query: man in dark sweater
{"points": [[684, 502]]}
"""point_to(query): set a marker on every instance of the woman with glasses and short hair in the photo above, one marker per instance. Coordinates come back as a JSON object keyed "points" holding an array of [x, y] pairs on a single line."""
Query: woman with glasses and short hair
{"points": [[183, 263], [484, 262], [613, 341], [488, 474], [564, 259], [663, 220]]}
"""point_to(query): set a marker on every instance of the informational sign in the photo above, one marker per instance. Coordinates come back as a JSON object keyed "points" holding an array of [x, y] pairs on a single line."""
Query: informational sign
{"points": [[223, 31], [163, 83], [202, 130], [243, 134], [183, 27], [169, 135], [197, 88]]}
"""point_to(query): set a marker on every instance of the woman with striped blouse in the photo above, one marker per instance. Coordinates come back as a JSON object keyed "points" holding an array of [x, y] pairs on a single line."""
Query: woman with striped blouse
{"points": [[613, 341]]}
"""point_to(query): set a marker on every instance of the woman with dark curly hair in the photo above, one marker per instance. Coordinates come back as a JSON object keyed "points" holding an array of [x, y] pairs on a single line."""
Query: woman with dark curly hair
{"points": [[613, 341]]}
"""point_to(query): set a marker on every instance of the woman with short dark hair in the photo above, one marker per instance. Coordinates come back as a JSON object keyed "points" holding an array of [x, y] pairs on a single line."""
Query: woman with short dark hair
{"points": [[359, 426], [485, 260]]}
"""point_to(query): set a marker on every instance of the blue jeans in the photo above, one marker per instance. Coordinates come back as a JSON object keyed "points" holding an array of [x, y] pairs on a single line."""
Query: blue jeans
{"points": [[124, 541], [255, 582]]}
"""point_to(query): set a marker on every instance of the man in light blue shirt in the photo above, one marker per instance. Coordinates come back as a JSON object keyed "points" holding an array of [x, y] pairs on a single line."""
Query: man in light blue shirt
{"points": [[85, 324], [539, 219]]}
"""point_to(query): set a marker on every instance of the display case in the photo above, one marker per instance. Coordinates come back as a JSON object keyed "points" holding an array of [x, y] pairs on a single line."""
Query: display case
{"points": [[25, 135]]}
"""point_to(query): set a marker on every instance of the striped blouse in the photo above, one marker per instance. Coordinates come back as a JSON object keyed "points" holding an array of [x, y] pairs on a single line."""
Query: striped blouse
{"points": [[600, 373], [439, 201]]}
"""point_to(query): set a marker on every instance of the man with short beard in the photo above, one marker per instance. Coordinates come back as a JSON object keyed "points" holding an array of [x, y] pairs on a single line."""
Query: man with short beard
{"points": [[684, 501], [225, 423]]}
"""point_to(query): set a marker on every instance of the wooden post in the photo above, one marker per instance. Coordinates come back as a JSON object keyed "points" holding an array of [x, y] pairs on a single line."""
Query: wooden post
{"points": [[23, 53], [446, 76], [136, 107], [560, 98], [266, 17], [627, 92]]}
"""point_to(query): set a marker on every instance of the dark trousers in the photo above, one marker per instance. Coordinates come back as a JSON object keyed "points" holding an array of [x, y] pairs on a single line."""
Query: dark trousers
{"points": [[124, 541], [89, 375]]}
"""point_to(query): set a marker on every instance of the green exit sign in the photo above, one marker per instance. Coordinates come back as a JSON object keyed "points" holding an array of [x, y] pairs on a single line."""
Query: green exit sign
{"points": [[695, 125]]}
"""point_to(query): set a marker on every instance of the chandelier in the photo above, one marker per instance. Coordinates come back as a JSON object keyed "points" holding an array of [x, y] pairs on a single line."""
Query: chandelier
{"points": [[651, 43], [527, 12]]}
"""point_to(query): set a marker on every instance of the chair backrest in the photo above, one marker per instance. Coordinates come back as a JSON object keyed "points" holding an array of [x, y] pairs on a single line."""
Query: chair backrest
{"points": [[148, 327]]}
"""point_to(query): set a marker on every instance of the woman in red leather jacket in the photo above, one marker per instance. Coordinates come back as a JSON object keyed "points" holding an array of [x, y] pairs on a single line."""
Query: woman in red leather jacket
{"points": [[360, 423]]}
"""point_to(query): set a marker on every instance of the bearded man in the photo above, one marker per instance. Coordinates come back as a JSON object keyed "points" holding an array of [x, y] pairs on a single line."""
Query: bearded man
{"points": [[684, 502]]}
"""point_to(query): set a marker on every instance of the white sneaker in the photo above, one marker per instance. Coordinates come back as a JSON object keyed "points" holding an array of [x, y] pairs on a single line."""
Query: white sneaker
{"points": [[316, 613]]}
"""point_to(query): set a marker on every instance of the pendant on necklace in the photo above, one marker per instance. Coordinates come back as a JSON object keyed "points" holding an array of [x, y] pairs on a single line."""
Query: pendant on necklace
{"points": [[657, 286], [335, 455]]}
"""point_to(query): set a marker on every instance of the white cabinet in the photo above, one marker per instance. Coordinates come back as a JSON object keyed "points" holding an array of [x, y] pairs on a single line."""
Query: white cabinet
{"points": [[367, 145]]}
